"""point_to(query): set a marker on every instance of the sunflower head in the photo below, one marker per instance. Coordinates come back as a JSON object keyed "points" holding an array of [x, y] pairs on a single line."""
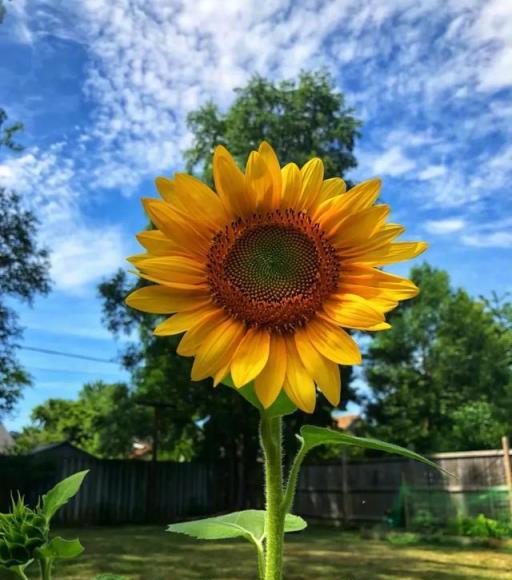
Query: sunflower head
{"points": [[263, 274]]}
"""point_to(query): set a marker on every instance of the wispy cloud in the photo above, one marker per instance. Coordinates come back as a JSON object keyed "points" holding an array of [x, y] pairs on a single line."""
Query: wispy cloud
{"points": [[421, 74], [444, 226]]}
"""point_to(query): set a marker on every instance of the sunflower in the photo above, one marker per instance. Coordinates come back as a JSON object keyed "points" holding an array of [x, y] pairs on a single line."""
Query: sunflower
{"points": [[264, 274]]}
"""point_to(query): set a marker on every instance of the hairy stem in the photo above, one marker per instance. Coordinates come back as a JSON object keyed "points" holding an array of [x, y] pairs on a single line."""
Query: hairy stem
{"points": [[271, 441], [291, 485]]}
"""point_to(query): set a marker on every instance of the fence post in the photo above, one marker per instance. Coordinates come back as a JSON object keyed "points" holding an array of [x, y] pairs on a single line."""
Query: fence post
{"points": [[508, 469]]}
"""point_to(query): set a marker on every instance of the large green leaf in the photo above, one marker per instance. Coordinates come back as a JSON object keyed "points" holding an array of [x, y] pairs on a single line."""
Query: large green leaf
{"points": [[61, 549], [280, 407], [249, 524], [109, 577], [61, 493], [314, 436]]}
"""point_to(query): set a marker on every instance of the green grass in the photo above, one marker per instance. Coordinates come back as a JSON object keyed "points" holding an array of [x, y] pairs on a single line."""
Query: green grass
{"points": [[148, 553]]}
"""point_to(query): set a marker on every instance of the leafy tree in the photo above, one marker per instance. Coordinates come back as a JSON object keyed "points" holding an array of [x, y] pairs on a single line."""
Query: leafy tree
{"points": [[24, 269], [445, 363], [302, 119], [104, 420]]}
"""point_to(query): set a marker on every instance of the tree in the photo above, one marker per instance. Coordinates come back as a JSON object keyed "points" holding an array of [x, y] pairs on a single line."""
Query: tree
{"points": [[300, 119], [445, 363], [24, 270], [104, 421]]}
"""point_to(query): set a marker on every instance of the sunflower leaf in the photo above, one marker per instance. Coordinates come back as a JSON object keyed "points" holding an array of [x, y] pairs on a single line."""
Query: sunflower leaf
{"points": [[315, 436], [61, 549], [61, 493], [281, 406], [248, 524]]}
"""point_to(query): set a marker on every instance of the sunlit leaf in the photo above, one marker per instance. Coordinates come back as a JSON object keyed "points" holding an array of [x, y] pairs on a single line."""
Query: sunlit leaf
{"points": [[249, 524], [314, 436], [61, 493]]}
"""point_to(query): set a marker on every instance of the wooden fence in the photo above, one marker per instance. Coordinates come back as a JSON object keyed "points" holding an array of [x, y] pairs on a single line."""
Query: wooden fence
{"points": [[398, 489], [121, 491], [354, 491]]}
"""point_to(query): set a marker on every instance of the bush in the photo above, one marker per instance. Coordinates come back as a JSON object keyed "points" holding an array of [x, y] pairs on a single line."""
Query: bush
{"points": [[479, 527]]}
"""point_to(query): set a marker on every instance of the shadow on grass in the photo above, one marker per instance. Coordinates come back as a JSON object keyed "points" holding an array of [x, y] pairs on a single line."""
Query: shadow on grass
{"points": [[148, 553]]}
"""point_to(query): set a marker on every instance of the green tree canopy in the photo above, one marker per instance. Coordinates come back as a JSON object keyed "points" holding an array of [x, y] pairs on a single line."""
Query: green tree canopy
{"points": [[441, 378], [24, 270], [104, 420], [300, 119]]}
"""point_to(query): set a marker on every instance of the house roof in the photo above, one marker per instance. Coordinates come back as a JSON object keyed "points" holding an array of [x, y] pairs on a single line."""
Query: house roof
{"points": [[346, 422], [58, 447]]}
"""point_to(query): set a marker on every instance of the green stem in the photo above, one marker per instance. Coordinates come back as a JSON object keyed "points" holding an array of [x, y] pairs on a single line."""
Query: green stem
{"points": [[261, 560], [20, 572], [293, 477], [46, 568], [271, 435]]}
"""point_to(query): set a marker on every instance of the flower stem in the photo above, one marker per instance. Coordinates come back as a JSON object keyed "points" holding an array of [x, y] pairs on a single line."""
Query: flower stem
{"points": [[271, 442], [291, 484], [46, 568]]}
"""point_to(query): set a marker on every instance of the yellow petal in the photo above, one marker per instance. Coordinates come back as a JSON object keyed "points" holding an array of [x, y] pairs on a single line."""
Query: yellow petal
{"points": [[138, 258], [272, 162], [380, 239], [292, 183], [157, 243], [312, 174], [333, 342], [334, 210], [299, 385], [185, 233], [392, 253], [230, 184], [184, 320], [359, 227], [217, 349], [195, 198], [269, 382], [196, 335], [173, 269], [363, 195], [164, 300], [250, 357], [165, 188], [352, 311], [331, 188], [259, 181], [325, 373], [381, 326]]}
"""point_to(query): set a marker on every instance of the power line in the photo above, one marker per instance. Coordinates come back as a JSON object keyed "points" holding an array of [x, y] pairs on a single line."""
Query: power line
{"points": [[69, 354]]}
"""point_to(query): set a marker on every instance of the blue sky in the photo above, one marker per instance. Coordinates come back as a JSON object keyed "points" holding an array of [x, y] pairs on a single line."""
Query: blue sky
{"points": [[104, 87]]}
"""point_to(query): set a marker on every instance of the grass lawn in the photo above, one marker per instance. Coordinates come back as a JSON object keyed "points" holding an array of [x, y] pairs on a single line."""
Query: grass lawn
{"points": [[147, 553]]}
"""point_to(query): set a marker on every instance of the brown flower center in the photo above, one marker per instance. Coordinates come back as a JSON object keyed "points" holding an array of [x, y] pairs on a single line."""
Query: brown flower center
{"points": [[272, 271]]}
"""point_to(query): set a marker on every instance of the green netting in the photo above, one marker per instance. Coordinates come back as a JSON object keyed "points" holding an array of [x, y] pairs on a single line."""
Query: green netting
{"points": [[420, 508]]}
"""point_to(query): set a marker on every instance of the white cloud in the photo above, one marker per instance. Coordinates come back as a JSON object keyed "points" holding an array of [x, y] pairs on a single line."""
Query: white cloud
{"points": [[149, 64], [393, 162], [80, 253], [445, 226], [432, 171], [500, 239]]}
